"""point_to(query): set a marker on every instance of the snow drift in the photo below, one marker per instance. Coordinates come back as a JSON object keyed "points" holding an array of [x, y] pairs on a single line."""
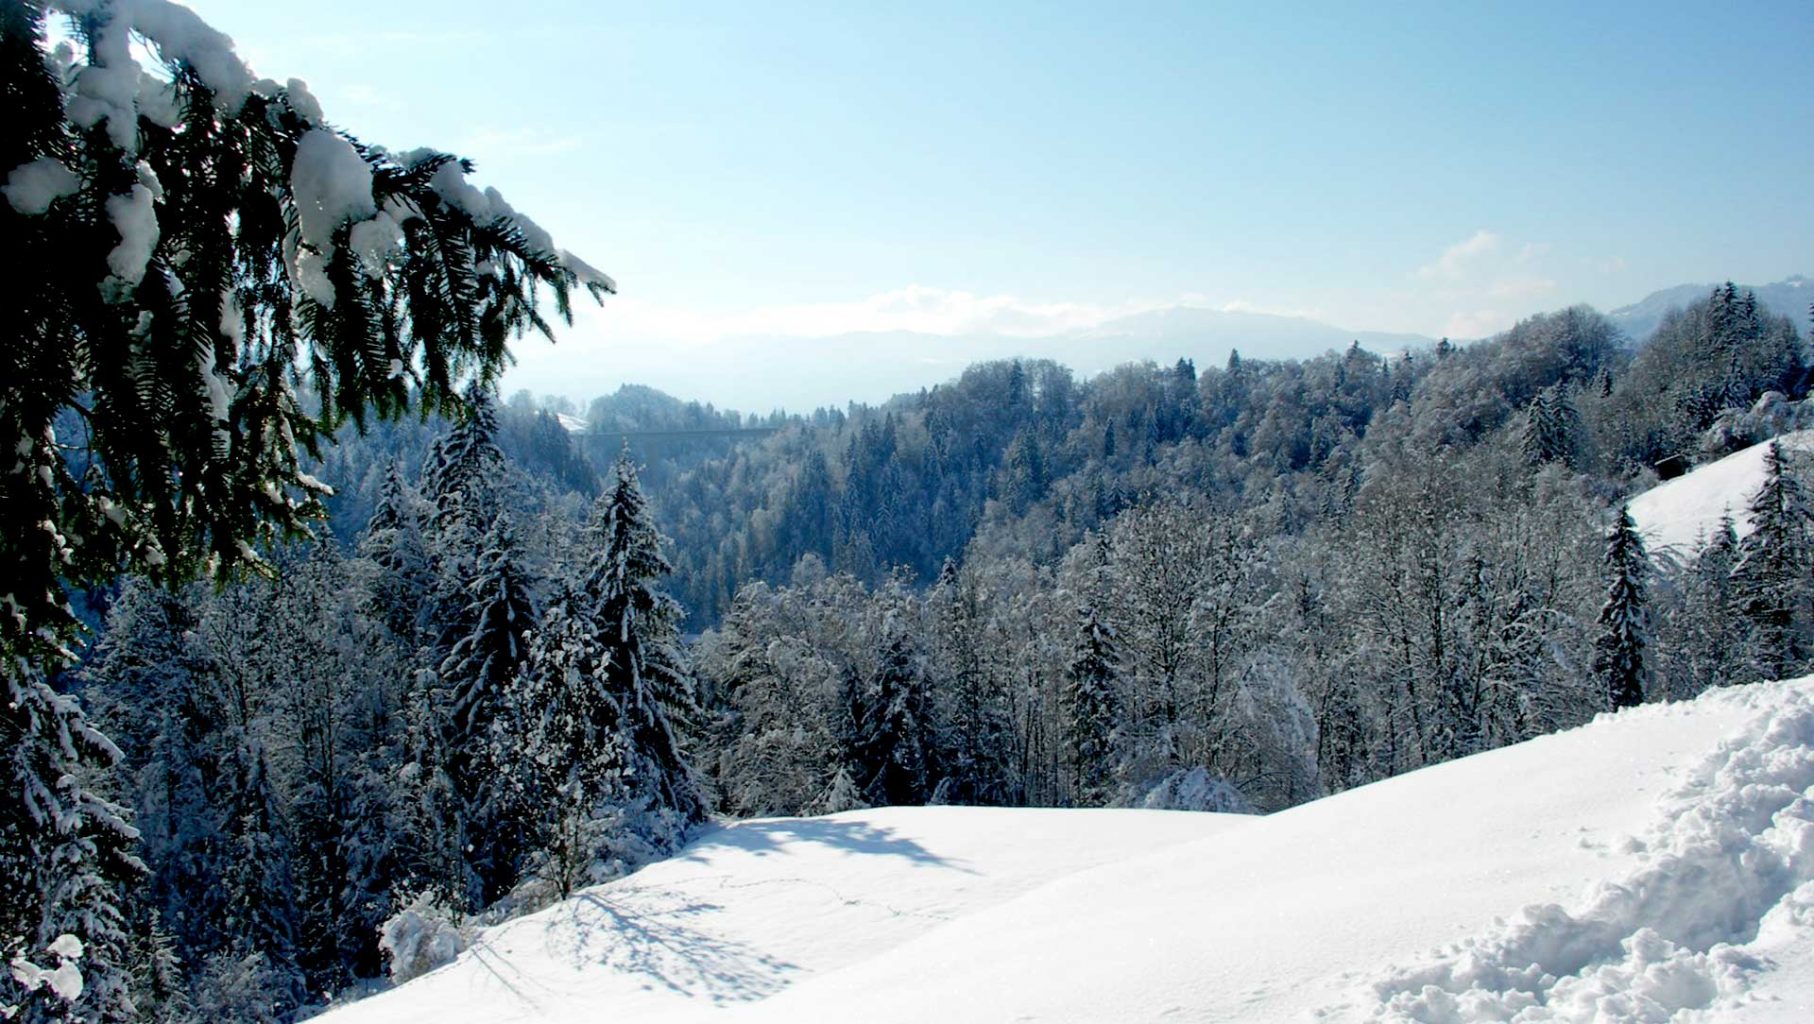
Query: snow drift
{"points": [[1653, 865]]}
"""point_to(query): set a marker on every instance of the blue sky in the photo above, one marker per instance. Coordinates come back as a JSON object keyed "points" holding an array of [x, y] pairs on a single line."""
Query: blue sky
{"points": [[807, 169]]}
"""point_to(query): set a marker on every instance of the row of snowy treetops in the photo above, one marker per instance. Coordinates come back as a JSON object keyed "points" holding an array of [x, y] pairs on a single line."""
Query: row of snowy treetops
{"points": [[237, 797]]}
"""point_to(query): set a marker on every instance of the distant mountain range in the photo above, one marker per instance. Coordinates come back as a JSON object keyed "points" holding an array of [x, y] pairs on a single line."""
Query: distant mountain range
{"points": [[800, 374], [1206, 336], [1789, 297]]}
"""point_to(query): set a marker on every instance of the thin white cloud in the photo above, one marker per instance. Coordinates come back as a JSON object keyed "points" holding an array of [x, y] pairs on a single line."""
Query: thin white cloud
{"points": [[1243, 306], [1521, 287], [1482, 284], [1459, 259], [915, 308], [1476, 323]]}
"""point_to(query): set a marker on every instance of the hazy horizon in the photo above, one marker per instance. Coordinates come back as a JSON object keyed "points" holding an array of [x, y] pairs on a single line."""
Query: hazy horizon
{"points": [[802, 172]]}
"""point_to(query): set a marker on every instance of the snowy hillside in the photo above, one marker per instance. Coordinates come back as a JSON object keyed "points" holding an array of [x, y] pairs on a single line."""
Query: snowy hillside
{"points": [[751, 908], [1652, 861], [1675, 516]]}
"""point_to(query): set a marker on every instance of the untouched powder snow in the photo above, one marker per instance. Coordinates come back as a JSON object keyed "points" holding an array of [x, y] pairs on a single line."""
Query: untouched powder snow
{"points": [[1655, 865], [1674, 517], [750, 908]]}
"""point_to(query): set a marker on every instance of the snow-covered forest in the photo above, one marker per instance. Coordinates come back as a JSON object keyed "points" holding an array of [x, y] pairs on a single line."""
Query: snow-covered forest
{"points": [[321, 654]]}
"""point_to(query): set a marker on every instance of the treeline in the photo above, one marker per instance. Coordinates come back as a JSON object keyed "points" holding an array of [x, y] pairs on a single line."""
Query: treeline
{"points": [[1251, 586], [1022, 455], [1191, 657]]}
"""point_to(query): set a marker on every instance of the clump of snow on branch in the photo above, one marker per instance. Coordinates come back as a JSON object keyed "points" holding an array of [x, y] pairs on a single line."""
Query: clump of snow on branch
{"points": [[32, 187], [178, 33], [332, 184], [587, 273], [134, 216], [64, 980]]}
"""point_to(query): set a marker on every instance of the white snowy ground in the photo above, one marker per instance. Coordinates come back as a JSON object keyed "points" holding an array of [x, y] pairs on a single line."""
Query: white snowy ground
{"points": [[1654, 865], [1677, 515]]}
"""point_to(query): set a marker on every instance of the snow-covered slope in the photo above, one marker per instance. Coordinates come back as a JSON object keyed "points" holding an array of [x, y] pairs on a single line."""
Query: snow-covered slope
{"points": [[751, 908], [1654, 861], [1676, 516]]}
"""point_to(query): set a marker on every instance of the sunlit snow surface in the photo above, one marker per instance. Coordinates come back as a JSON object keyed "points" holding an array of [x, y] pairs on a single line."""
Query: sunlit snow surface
{"points": [[1652, 866], [1675, 517]]}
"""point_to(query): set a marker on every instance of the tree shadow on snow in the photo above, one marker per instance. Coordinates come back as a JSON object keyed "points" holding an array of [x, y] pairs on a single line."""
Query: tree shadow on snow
{"points": [[763, 837], [649, 934]]}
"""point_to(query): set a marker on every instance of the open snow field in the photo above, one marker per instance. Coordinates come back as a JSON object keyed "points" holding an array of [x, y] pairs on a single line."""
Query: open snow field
{"points": [[753, 907], [1654, 865]]}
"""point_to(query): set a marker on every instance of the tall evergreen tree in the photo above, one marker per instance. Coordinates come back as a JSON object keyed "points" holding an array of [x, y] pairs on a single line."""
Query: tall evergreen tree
{"points": [[1092, 708], [1620, 663], [1715, 647], [1772, 577], [480, 666], [66, 851], [260, 882], [894, 729], [600, 765], [465, 467], [1551, 429], [970, 758], [641, 621], [394, 547]]}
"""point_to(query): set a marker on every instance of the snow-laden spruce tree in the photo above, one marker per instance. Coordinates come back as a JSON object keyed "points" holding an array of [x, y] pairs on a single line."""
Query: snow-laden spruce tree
{"points": [[1092, 709], [1715, 644], [465, 468], [1620, 663], [977, 736], [1770, 579], [474, 678], [592, 745], [894, 731], [621, 583], [192, 249], [394, 548]]}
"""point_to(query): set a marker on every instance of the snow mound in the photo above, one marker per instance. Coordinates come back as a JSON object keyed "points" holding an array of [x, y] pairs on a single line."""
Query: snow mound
{"points": [[1674, 517], [1732, 849]]}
